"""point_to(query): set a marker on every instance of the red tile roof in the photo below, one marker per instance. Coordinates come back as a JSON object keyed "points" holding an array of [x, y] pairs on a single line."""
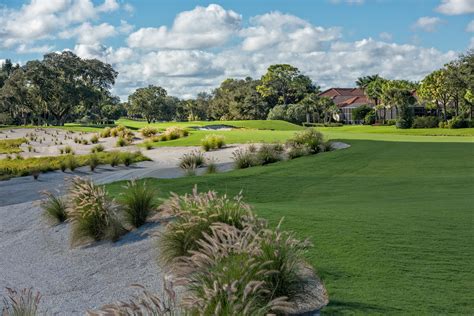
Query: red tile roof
{"points": [[346, 96]]}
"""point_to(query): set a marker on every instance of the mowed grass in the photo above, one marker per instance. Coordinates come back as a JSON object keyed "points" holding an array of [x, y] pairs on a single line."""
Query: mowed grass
{"points": [[391, 222]]}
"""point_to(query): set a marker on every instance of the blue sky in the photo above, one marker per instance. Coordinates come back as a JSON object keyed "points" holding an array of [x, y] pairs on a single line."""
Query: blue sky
{"points": [[191, 46]]}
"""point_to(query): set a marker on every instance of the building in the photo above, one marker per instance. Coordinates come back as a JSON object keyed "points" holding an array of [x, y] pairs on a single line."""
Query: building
{"points": [[346, 100]]}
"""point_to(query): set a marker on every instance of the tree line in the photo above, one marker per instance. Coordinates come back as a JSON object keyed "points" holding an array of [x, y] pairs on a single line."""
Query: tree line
{"points": [[64, 88]]}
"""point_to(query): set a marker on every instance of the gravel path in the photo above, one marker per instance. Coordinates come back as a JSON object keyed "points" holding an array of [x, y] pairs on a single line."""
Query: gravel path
{"points": [[37, 255]]}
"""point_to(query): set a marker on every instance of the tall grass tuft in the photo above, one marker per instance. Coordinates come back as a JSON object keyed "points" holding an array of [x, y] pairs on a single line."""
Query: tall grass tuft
{"points": [[93, 161], [195, 213], [20, 303], [309, 138], [54, 207], [138, 202], [212, 141], [71, 162], [149, 131], [191, 161], [92, 213], [268, 153], [211, 166], [244, 158]]}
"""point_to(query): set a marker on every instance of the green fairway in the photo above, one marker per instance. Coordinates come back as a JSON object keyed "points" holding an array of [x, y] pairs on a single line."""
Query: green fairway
{"points": [[391, 222]]}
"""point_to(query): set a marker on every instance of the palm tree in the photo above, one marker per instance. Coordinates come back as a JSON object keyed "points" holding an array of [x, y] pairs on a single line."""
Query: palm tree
{"points": [[363, 82]]}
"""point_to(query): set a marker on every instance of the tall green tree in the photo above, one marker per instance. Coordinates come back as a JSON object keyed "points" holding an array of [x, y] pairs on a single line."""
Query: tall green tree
{"points": [[435, 91], [149, 102], [284, 84], [363, 82]]}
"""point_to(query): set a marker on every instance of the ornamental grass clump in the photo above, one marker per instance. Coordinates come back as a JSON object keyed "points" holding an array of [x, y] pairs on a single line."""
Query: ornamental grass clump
{"points": [[54, 207], [138, 202], [173, 132], [195, 213], [20, 303], [93, 161], [213, 141], [192, 160], [244, 158], [225, 276], [92, 213], [310, 138], [149, 131], [268, 153]]}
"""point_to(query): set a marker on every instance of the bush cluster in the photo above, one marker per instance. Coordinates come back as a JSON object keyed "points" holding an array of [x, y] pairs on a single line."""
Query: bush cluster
{"points": [[149, 131], [265, 154], [191, 161], [425, 122], [212, 141], [119, 131], [171, 133]]}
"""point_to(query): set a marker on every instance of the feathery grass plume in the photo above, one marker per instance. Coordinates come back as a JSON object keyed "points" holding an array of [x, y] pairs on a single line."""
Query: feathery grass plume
{"points": [[309, 138], [212, 142], [121, 142], [148, 131], [93, 161], [92, 213], [267, 154], [224, 276], [127, 158], [20, 303], [244, 158], [68, 150], [173, 132], [195, 213], [297, 150], [54, 207], [194, 158], [138, 202], [147, 303], [106, 132]]}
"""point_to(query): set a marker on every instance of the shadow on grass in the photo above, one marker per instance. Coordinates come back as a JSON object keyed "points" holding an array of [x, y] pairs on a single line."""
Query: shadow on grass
{"points": [[338, 307]]}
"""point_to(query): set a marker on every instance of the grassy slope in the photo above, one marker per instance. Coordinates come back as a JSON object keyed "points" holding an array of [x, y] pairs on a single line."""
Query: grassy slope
{"points": [[391, 221]]}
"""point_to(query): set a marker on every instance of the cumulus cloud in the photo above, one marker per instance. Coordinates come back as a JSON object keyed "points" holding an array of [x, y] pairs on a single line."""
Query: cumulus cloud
{"points": [[427, 23], [456, 7], [88, 34], [202, 27], [42, 19], [285, 32], [385, 36]]}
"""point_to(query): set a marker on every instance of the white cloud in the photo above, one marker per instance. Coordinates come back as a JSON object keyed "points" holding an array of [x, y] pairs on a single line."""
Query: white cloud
{"points": [[27, 49], [88, 34], [386, 36], [285, 32], [128, 8], [470, 27], [43, 19], [202, 27], [427, 23], [456, 7], [125, 27]]}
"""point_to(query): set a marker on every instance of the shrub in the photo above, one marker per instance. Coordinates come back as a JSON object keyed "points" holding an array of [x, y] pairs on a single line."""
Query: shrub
{"points": [[195, 213], [310, 138], [148, 131], [212, 142], [138, 201], [267, 154], [97, 148], [21, 303], [68, 150], [296, 151], [425, 122], [54, 207], [94, 139], [244, 159], [390, 122], [93, 161], [405, 118], [194, 159], [121, 142], [63, 165], [35, 173], [370, 117], [93, 215], [359, 113], [457, 122], [71, 162]]}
